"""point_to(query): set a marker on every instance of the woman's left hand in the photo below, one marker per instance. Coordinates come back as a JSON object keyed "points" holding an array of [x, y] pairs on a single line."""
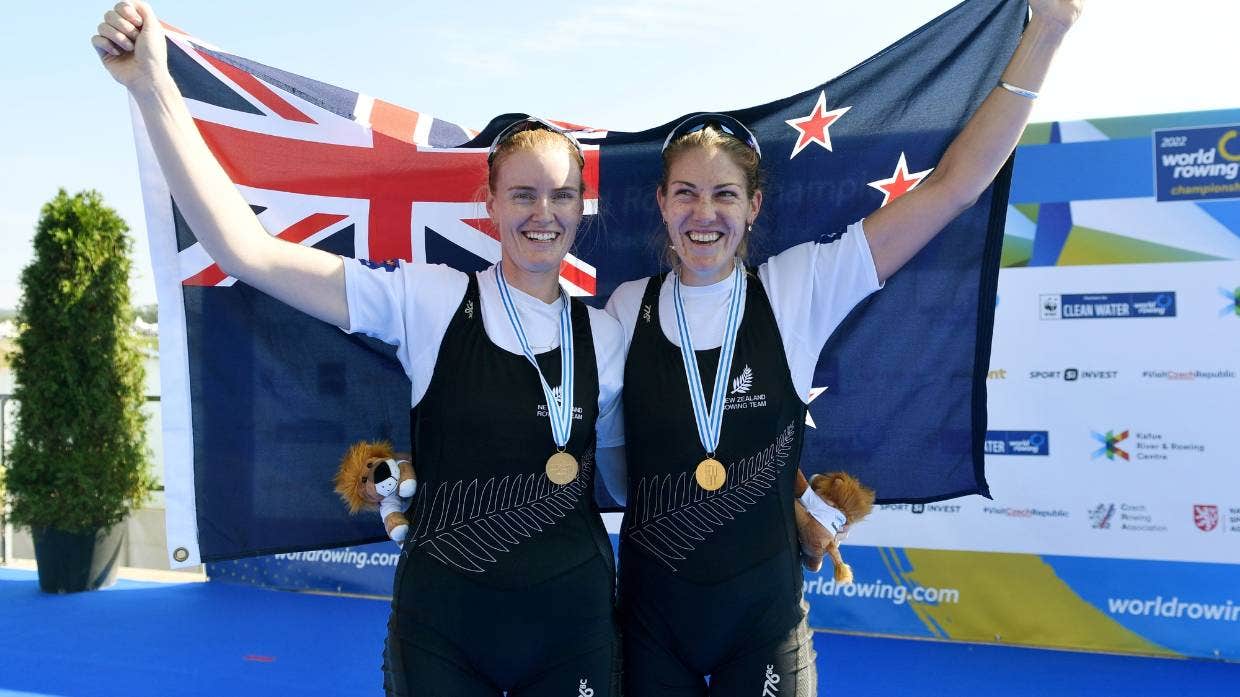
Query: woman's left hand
{"points": [[813, 537]]}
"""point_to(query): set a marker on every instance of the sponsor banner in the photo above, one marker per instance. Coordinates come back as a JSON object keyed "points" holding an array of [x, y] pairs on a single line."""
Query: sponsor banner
{"points": [[1126, 535], [1197, 163], [361, 570], [1107, 305], [1124, 522], [1017, 443], [1146, 607], [1188, 375], [1073, 374]]}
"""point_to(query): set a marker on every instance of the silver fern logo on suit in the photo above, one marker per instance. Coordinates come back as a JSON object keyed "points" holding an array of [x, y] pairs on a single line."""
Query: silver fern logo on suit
{"points": [[744, 393], [471, 524], [578, 414], [670, 516]]}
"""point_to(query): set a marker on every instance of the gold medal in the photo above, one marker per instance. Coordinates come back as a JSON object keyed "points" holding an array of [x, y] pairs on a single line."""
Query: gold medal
{"points": [[710, 474], [561, 468]]}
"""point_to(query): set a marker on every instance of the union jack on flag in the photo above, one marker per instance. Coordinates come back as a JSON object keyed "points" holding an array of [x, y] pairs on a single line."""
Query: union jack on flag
{"points": [[259, 401], [317, 162]]}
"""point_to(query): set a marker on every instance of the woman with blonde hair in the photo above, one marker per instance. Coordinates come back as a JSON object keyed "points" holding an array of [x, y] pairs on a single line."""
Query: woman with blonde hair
{"points": [[516, 388]]}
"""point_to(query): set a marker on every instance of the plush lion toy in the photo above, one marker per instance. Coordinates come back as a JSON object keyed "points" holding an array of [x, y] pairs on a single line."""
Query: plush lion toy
{"points": [[372, 477], [855, 500]]}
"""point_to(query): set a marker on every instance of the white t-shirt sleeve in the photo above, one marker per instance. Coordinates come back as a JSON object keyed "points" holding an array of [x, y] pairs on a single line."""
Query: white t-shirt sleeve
{"points": [[624, 304], [408, 305], [812, 287], [609, 356]]}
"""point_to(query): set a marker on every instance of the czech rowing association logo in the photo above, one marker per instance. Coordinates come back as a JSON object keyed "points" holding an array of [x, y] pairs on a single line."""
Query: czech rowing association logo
{"points": [[1205, 516]]}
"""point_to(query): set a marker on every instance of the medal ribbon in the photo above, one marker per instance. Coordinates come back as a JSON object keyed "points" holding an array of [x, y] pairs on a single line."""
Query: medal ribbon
{"points": [[561, 412], [710, 420]]}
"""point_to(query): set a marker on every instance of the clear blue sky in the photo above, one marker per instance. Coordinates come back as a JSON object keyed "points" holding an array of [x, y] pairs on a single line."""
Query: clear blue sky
{"points": [[624, 66]]}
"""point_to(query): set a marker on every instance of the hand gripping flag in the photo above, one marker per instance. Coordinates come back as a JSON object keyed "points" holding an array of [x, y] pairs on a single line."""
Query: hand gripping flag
{"points": [[260, 401]]}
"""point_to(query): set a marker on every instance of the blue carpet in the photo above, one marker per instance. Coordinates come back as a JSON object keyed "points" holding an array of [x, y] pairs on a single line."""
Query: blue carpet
{"points": [[139, 639]]}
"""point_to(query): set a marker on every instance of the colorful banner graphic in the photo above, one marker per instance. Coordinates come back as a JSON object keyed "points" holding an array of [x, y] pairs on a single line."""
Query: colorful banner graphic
{"points": [[1144, 607]]}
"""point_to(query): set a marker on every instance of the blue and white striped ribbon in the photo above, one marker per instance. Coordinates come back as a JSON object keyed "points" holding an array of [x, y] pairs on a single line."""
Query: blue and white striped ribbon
{"points": [[710, 420], [560, 412]]}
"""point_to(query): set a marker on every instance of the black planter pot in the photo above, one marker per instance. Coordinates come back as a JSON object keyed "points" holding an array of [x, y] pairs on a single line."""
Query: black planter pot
{"points": [[71, 562]]}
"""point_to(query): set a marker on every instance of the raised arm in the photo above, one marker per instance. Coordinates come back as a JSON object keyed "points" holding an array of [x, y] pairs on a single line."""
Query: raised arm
{"points": [[900, 229], [131, 44]]}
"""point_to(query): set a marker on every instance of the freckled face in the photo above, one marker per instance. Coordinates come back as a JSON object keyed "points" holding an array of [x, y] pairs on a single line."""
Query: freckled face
{"points": [[707, 212], [537, 205]]}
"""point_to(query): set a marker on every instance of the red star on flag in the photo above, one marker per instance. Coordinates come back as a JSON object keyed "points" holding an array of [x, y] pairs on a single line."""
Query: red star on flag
{"points": [[814, 128], [899, 183]]}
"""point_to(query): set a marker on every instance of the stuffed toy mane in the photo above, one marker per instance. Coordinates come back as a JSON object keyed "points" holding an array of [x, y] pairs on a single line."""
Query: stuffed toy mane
{"points": [[372, 477]]}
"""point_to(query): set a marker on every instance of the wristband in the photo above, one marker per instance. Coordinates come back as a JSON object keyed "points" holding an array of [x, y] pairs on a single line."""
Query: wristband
{"points": [[1027, 94], [827, 516]]}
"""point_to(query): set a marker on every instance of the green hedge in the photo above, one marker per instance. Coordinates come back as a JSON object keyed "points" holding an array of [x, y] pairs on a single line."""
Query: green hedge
{"points": [[79, 458]]}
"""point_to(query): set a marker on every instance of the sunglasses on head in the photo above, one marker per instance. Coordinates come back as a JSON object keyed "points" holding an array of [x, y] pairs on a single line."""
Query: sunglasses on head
{"points": [[723, 122], [529, 123]]}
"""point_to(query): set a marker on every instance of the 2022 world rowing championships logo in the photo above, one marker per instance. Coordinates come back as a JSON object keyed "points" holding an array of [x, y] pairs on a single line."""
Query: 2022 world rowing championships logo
{"points": [[1197, 163]]}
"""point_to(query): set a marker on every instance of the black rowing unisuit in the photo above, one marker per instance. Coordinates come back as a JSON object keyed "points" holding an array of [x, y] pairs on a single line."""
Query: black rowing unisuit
{"points": [[496, 547], [708, 571]]}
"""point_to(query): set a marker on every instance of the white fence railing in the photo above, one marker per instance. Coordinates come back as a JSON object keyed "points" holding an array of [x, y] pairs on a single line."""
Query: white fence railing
{"points": [[8, 412]]}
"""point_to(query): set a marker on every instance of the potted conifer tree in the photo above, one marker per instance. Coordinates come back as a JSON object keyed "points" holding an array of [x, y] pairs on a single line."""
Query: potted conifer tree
{"points": [[78, 461]]}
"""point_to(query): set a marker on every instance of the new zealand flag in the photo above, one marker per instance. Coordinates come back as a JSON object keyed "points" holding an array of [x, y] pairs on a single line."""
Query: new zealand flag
{"points": [[260, 401]]}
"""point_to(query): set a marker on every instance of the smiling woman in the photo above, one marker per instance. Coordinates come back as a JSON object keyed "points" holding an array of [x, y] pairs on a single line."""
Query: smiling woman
{"points": [[536, 188], [724, 351], [709, 200], [724, 599], [492, 417]]}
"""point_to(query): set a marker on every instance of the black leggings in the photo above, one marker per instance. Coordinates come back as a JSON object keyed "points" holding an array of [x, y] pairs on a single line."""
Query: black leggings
{"points": [[451, 636], [747, 632], [783, 668]]}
